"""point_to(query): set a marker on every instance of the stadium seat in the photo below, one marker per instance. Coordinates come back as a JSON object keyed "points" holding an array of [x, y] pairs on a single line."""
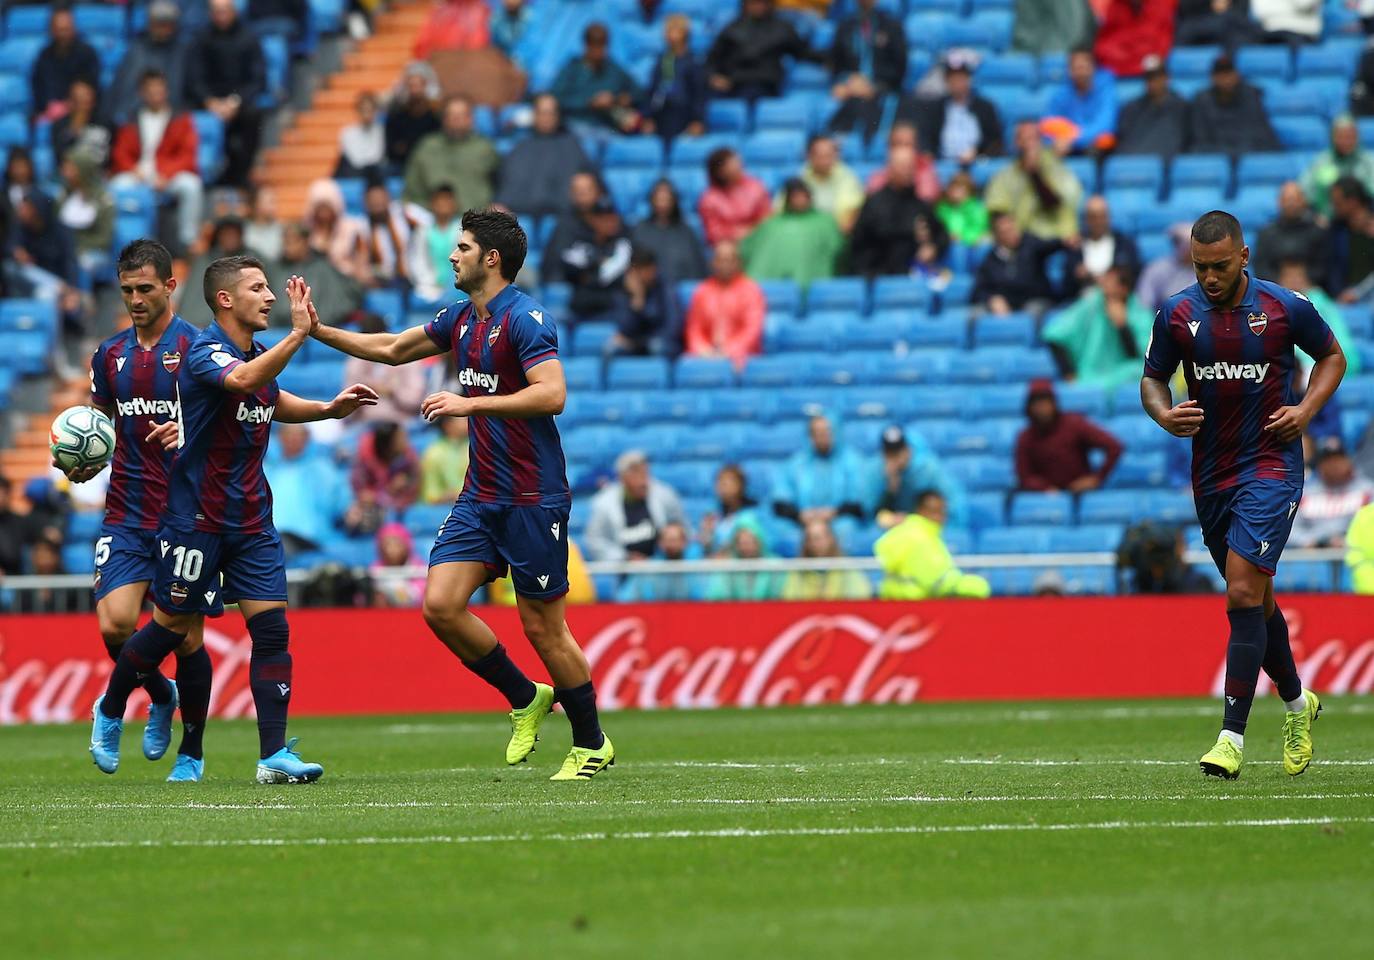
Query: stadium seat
{"points": [[424, 518], [1136, 172], [1110, 506], [31, 21], [1301, 133], [1211, 170], [775, 147], [1334, 58], [987, 510], [1091, 401], [1254, 169], [387, 304], [1023, 539], [14, 132], [1192, 62], [1258, 63], [1008, 68], [1016, 329], [937, 332], [17, 315], [783, 296], [278, 59], [727, 116], [589, 339], [582, 373], [1169, 507], [848, 294], [1307, 576], [899, 293], [693, 151], [703, 373], [1139, 469], [804, 336], [14, 93], [1089, 538], [644, 152], [1002, 365], [1041, 508]]}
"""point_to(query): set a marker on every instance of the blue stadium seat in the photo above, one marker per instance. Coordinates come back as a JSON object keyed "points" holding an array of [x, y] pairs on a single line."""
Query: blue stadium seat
{"points": [[626, 407], [1002, 365], [1137, 172], [20, 315], [388, 304], [1041, 508], [645, 152], [1187, 203], [14, 93], [803, 336], [354, 552], [924, 366], [727, 116], [1110, 506], [1085, 169], [1265, 63], [1255, 169], [848, 294], [1211, 170], [867, 403], [775, 147], [30, 21], [1169, 506], [985, 28], [933, 402], [1053, 68], [1089, 538], [1307, 576], [14, 132], [1192, 62], [1359, 318], [693, 151], [83, 526], [790, 114], [703, 373], [987, 510], [278, 58], [1301, 133], [424, 518], [1091, 401], [995, 400], [588, 339], [783, 296], [1008, 68], [899, 293], [1334, 58], [1016, 329], [19, 52], [1022, 539], [926, 31], [937, 332], [1139, 469]]}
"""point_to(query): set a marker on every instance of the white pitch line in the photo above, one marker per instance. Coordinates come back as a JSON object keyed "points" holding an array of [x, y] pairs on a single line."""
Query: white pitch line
{"points": [[1040, 762], [52, 806], [729, 833]]}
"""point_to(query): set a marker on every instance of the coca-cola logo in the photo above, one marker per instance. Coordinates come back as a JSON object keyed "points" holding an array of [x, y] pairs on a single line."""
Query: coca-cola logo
{"points": [[823, 658], [1332, 666]]}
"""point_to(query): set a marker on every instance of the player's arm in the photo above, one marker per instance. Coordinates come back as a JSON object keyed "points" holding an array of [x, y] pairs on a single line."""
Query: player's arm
{"points": [[544, 397], [294, 409], [391, 348], [1162, 358], [252, 375], [1313, 337], [102, 399]]}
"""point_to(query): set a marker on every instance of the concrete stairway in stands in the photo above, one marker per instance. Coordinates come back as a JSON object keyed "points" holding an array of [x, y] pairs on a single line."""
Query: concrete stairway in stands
{"points": [[28, 456], [309, 147]]}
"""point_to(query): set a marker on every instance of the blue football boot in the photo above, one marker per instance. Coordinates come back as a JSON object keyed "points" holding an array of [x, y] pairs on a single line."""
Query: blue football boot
{"points": [[157, 735], [105, 734], [186, 770], [286, 766]]}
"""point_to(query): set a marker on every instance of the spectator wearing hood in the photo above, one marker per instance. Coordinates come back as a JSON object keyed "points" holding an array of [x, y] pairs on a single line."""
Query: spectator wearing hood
{"points": [[917, 564], [1086, 103], [732, 502], [674, 244], [746, 59], [65, 59], [1229, 116], [676, 99], [1344, 158], [161, 47], [1052, 452], [627, 515], [411, 115], [907, 467], [798, 243], [1359, 552], [748, 541], [1335, 492], [1168, 273], [821, 482], [1156, 122], [1100, 339], [395, 550], [725, 317], [536, 173], [86, 209], [334, 232], [158, 149], [455, 155], [574, 225], [226, 74], [1131, 31]]}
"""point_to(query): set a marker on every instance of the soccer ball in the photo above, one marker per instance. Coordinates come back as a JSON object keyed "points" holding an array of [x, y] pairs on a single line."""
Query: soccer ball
{"points": [[82, 437]]}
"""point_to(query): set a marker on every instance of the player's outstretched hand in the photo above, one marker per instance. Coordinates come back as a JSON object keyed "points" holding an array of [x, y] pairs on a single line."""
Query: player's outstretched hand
{"points": [[164, 434], [299, 295], [358, 395], [445, 404], [1288, 423], [82, 474], [1182, 420]]}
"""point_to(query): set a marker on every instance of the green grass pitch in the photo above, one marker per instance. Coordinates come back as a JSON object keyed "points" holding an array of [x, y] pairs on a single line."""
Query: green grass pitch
{"points": [[1008, 830]]}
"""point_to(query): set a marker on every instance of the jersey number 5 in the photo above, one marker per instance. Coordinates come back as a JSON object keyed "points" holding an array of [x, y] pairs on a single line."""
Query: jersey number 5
{"points": [[102, 550]]}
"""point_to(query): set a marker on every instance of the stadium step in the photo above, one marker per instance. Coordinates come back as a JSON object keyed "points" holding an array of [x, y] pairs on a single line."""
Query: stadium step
{"points": [[29, 456], [309, 147]]}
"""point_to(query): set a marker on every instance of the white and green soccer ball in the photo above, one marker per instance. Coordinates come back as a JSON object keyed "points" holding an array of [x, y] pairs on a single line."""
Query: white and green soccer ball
{"points": [[82, 437]]}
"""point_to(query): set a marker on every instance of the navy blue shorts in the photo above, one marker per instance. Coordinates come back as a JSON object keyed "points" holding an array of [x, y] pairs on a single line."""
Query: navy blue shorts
{"points": [[123, 555], [200, 572], [1253, 519], [532, 542]]}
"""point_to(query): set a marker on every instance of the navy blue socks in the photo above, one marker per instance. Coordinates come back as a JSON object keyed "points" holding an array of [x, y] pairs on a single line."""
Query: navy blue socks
{"points": [[138, 660], [155, 683], [1278, 659], [579, 703], [1244, 657], [499, 670], [193, 686], [269, 678]]}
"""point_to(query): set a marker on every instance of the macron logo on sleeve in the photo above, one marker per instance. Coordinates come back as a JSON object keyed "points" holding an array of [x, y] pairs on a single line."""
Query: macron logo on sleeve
{"points": [[1221, 370]]}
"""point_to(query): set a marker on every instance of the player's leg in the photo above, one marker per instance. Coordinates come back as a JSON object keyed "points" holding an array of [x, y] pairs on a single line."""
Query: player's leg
{"points": [[124, 564], [255, 577], [534, 542], [194, 674]]}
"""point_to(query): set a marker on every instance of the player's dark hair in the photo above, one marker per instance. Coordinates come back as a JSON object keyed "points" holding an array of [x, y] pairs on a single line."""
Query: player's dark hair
{"points": [[715, 163], [1215, 226], [223, 273], [497, 230], [144, 253]]}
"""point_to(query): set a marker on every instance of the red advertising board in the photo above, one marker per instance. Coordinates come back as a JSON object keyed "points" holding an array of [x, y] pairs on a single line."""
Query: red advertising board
{"points": [[748, 654]]}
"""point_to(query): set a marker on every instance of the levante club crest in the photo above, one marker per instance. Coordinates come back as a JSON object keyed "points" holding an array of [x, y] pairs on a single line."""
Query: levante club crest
{"points": [[1258, 321], [494, 335], [170, 361]]}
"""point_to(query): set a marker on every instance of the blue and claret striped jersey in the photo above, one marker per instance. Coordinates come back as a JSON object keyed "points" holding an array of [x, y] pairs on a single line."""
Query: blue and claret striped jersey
{"points": [[1239, 365], [218, 485], [510, 460], [138, 386]]}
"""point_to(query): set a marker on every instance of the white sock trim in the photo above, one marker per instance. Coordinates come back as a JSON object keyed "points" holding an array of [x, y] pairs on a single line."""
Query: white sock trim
{"points": [[1296, 706], [1237, 738]]}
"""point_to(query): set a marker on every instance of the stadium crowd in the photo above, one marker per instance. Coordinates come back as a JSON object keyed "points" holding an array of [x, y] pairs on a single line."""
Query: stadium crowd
{"points": [[927, 185]]}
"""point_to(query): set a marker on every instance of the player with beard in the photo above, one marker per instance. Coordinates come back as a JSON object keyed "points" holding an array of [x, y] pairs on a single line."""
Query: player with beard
{"points": [[1235, 336], [216, 542], [513, 510]]}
